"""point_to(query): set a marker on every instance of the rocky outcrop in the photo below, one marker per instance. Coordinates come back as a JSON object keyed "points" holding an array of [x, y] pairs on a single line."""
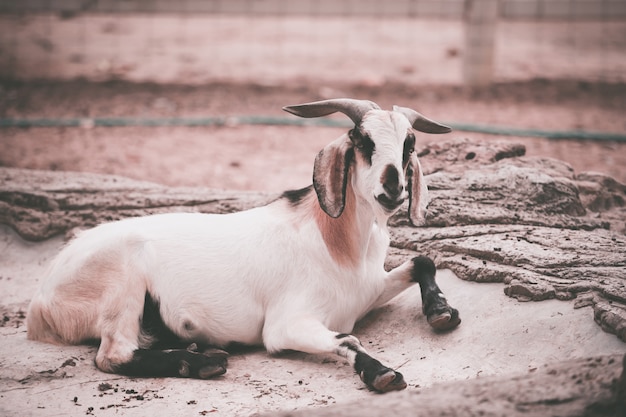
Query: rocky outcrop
{"points": [[42, 204], [530, 223], [494, 216], [582, 387]]}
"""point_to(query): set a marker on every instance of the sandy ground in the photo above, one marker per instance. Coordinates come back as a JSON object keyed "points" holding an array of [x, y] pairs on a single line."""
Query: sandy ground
{"points": [[498, 336], [275, 158]]}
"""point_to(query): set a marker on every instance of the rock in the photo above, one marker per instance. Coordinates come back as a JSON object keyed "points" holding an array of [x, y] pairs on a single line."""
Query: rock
{"points": [[611, 316], [531, 223], [458, 155], [42, 204], [600, 192], [519, 191], [533, 262], [589, 387], [604, 196]]}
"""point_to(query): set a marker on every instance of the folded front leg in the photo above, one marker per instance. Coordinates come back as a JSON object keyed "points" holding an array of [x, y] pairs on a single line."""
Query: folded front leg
{"points": [[310, 336], [421, 270], [440, 315], [374, 374]]}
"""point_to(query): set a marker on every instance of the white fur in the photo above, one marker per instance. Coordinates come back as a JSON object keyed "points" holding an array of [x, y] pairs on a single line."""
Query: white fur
{"points": [[262, 276]]}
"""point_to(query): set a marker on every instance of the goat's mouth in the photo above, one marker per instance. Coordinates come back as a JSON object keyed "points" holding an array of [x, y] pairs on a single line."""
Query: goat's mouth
{"points": [[388, 204]]}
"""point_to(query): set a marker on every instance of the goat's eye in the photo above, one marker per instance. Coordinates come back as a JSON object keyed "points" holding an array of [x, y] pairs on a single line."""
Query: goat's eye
{"points": [[409, 148]]}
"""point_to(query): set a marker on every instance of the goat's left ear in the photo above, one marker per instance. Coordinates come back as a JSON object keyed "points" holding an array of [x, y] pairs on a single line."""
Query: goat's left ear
{"points": [[418, 192], [330, 175]]}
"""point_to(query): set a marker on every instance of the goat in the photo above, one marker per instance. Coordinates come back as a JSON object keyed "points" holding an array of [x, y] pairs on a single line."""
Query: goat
{"points": [[295, 274]]}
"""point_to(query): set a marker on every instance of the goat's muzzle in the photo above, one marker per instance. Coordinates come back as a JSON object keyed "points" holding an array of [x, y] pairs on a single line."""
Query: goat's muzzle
{"points": [[389, 204]]}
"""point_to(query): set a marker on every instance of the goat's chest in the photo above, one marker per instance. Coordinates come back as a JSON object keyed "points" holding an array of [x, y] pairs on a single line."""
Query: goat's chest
{"points": [[357, 289], [341, 297]]}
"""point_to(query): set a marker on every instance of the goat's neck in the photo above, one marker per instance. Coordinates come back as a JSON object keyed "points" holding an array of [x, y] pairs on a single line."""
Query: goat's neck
{"points": [[346, 237]]}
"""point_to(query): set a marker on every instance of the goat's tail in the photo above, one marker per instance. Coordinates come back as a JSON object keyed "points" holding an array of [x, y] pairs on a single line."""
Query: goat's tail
{"points": [[38, 323]]}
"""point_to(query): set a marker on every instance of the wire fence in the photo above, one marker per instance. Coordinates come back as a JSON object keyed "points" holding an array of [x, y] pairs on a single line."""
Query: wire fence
{"points": [[323, 41]]}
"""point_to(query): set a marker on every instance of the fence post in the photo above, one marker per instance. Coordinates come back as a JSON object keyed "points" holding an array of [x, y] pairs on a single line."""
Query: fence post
{"points": [[480, 30]]}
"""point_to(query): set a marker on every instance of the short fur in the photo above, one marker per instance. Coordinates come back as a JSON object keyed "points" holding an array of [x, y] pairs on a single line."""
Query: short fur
{"points": [[296, 274]]}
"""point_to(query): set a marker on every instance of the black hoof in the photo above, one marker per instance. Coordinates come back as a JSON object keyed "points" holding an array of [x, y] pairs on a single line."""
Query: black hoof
{"points": [[443, 320], [389, 381], [385, 381], [203, 365], [211, 371], [181, 363]]}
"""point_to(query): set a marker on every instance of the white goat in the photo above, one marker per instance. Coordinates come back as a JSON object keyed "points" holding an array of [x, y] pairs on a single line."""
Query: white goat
{"points": [[295, 274]]}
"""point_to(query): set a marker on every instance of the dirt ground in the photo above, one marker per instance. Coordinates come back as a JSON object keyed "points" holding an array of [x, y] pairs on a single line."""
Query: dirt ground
{"points": [[499, 336], [274, 158]]}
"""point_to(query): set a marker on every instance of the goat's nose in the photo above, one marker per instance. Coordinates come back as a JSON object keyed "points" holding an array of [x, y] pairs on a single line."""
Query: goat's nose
{"points": [[391, 182], [393, 191]]}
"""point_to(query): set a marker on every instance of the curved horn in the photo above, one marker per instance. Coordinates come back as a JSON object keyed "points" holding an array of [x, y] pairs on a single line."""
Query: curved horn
{"points": [[354, 109], [422, 123]]}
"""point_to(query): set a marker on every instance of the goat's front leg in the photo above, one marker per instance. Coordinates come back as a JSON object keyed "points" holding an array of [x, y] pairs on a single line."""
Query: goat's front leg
{"points": [[310, 336], [440, 315], [421, 270]]}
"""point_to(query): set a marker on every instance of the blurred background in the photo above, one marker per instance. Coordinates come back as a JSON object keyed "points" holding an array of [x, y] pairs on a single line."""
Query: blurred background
{"points": [[190, 92]]}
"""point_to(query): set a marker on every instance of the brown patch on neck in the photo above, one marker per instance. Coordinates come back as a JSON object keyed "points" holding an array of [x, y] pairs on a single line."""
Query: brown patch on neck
{"points": [[340, 234]]}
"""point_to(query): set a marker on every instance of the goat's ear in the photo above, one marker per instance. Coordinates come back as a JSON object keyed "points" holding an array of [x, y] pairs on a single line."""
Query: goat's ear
{"points": [[421, 122], [330, 175], [418, 192]]}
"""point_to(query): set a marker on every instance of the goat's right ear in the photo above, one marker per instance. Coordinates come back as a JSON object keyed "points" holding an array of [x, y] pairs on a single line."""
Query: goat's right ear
{"points": [[330, 175]]}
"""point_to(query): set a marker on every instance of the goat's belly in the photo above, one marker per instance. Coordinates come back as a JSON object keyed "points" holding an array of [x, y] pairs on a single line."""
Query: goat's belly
{"points": [[215, 322], [222, 334]]}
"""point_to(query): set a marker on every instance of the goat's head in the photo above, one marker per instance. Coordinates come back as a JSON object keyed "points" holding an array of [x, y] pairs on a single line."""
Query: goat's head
{"points": [[377, 155]]}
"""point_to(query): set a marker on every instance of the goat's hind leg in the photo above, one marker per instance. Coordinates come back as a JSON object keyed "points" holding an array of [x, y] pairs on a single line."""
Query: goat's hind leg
{"points": [[440, 315], [174, 363], [128, 347]]}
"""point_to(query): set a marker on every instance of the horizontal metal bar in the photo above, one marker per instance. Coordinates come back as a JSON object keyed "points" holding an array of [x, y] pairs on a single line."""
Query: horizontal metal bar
{"points": [[288, 121]]}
